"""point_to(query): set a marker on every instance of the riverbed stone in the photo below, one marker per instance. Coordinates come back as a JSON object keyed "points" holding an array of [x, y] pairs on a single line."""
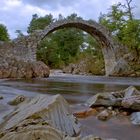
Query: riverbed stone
{"points": [[92, 137], [1, 97], [33, 132], [104, 99], [51, 109], [17, 100], [135, 118], [131, 98], [104, 115], [128, 98]]}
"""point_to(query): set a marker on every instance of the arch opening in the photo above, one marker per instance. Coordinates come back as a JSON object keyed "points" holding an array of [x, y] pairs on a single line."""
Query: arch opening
{"points": [[87, 54], [101, 34]]}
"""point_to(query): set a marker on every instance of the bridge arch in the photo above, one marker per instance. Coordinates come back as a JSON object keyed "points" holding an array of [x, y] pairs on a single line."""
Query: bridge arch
{"points": [[112, 51]]}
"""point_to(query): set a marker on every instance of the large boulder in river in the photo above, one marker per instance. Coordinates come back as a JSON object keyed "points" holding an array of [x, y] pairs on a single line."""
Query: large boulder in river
{"points": [[128, 98], [53, 110], [44, 118], [106, 99], [33, 131], [13, 68], [131, 98]]}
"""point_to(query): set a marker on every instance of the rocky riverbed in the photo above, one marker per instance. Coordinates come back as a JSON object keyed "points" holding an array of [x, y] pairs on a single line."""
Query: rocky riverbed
{"points": [[43, 117], [51, 118]]}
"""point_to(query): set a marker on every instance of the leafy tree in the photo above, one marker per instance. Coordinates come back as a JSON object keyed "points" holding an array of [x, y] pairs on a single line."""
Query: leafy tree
{"points": [[39, 23], [73, 16], [114, 20], [131, 35], [4, 36], [121, 22]]}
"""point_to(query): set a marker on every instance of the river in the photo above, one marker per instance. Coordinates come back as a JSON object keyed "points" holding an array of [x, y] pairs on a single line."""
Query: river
{"points": [[76, 89]]}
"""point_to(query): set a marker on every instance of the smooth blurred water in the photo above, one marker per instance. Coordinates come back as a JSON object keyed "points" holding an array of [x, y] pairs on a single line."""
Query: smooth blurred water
{"points": [[76, 90]]}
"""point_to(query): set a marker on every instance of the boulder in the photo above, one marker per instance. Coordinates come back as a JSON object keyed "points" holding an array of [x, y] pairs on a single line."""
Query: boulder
{"points": [[135, 118], [86, 113], [91, 137], [51, 109], [1, 97], [17, 100], [104, 115], [105, 99], [128, 98], [33, 132], [13, 68], [131, 98], [40, 69]]}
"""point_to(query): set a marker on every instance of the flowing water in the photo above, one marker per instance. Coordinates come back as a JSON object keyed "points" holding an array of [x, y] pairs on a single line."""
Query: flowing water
{"points": [[76, 90]]}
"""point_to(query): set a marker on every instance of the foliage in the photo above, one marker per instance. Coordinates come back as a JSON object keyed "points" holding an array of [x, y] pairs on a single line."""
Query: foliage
{"points": [[123, 26], [131, 34], [4, 36], [19, 33], [114, 20], [39, 23]]}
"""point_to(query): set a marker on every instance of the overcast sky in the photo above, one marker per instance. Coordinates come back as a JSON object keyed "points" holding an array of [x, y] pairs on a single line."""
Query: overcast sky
{"points": [[17, 14]]}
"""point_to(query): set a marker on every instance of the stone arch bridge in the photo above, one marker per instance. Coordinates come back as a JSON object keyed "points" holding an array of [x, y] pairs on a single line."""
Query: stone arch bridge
{"points": [[113, 52]]}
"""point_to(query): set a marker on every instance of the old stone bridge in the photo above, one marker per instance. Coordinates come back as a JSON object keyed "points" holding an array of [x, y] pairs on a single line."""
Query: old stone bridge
{"points": [[24, 48]]}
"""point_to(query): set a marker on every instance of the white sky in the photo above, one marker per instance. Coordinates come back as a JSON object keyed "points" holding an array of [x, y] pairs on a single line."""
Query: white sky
{"points": [[17, 14]]}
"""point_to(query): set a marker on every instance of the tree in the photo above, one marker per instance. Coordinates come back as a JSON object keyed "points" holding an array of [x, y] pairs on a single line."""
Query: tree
{"points": [[129, 9], [114, 20], [131, 35], [123, 26], [39, 23], [19, 33], [4, 36]]}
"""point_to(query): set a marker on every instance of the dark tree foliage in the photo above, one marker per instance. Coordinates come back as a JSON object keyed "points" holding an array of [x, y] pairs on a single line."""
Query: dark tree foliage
{"points": [[39, 23], [4, 36]]}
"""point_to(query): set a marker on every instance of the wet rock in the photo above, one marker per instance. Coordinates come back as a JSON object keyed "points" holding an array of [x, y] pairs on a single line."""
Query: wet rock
{"points": [[1, 97], [72, 138], [128, 98], [91, 137], [131, 98], [86, 113], [40, 69], [51, 109], [104, 115], [19, 99], [105, 99], [125, 113], [33, 132], [135, 118]]}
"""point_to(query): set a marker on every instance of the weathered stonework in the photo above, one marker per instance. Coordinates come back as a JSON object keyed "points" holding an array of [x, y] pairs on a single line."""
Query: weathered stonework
{"points": [[24, 48]]}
